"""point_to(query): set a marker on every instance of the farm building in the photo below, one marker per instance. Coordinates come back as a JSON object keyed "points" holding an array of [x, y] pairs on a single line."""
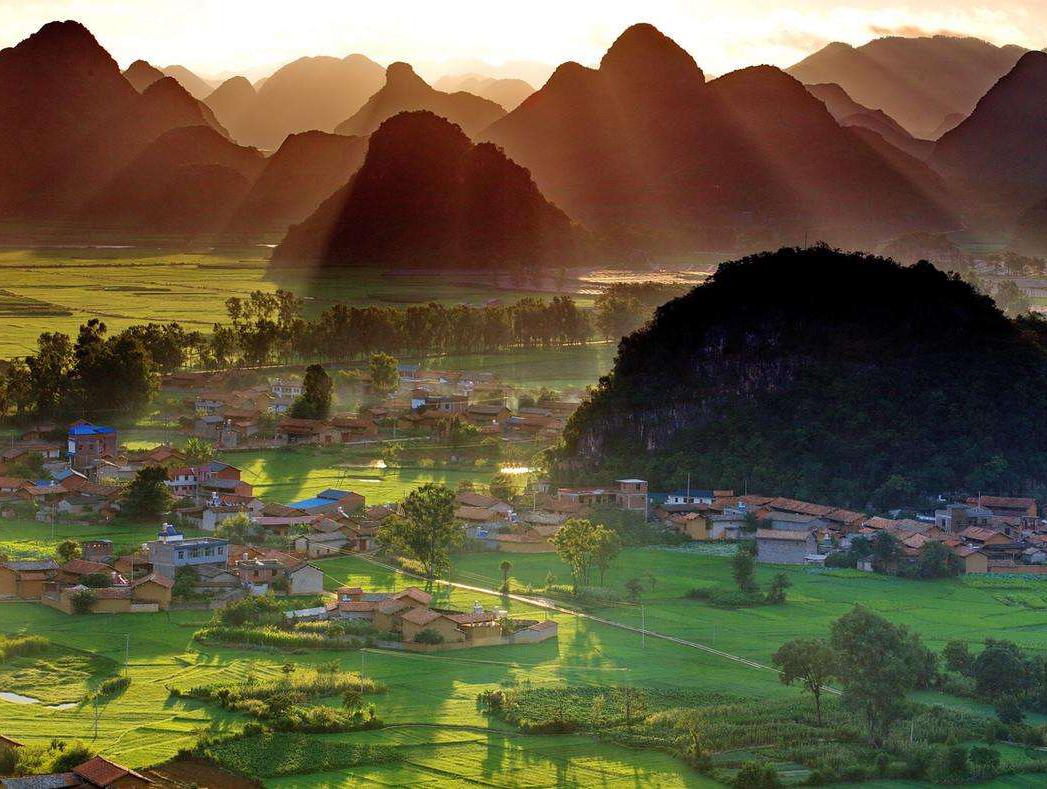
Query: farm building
{"points": [[779, 546]]}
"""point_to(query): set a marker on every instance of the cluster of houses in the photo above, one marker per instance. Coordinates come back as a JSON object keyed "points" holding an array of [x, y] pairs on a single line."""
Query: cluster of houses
{"points": [[408, 614], [257, 416], [143, 581], [985, 533]]}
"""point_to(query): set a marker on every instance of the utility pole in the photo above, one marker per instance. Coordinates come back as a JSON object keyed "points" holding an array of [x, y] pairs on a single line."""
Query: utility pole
{"points": [[643, 627], [127, 651]]}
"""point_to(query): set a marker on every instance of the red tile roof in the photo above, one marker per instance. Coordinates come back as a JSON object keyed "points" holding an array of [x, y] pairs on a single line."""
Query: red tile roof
{"points": [[84, 567], [102, 772], [414, 593], [420, 616]]}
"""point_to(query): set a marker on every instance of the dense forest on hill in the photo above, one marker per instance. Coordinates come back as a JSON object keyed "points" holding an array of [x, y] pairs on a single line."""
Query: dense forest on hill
{"points": [[821, 374]]}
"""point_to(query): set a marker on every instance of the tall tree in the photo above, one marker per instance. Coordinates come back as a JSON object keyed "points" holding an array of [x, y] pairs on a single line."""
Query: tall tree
{"points": [[315, 402], [810, 661], [148, 495], [426, 531], [743, 566], [879, 663], [385, 374]]}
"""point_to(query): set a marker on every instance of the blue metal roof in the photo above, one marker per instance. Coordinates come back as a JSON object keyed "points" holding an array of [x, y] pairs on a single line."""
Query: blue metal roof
{"points": [[87, 429], [308, 504]]}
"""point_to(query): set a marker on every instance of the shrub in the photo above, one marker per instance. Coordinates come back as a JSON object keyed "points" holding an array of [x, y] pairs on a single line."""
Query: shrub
{"points": [[96, 580], [114, 686], [20, 646], [756, 775], [275, 638], [428, 636], [83, 601], [71, 756]]}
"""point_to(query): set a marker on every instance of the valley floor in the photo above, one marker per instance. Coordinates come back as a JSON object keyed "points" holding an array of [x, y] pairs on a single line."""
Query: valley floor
{"points": [[431, 700]]}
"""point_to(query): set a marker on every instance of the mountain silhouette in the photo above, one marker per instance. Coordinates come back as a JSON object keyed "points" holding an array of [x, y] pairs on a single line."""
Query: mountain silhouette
{"points": [[310, 93], [642, 149], [917, 81], [198, 87], [426, 196], [508, 93], [70, 120], [1030, 233], [186, 182], [142, 74], [405, 91], [230, 102], [307, 169], [998, 151], [848, 112]]}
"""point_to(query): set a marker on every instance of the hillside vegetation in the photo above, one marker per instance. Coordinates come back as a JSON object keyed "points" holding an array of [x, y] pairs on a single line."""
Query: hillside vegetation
{"points": [[822, 374]]}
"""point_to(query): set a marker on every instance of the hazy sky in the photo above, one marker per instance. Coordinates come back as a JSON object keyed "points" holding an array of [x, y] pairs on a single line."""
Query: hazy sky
{"points": [[218, 36]]}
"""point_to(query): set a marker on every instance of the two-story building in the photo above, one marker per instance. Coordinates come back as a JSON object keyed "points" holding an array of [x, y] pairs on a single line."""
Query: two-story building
{"points": [[89, 443], [171, 551]]}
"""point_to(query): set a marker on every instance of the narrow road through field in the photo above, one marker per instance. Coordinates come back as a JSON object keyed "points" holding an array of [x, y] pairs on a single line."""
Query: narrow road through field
{"points": [[545, 603]]}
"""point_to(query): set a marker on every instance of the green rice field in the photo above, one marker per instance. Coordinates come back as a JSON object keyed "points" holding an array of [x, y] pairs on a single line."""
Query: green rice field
{"points": [[54, 288], [430, 704], [285, 475]]}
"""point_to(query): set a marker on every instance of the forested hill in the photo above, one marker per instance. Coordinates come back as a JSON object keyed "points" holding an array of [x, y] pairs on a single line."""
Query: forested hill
{"points": [[819, 374]]}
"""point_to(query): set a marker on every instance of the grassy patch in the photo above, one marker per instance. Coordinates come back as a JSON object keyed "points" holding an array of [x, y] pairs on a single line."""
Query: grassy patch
{"points": [[277, 754], [54, 674]]}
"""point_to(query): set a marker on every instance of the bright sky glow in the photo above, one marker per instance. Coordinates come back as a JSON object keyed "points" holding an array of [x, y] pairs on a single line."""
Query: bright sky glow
{"points": [[223, 37]]}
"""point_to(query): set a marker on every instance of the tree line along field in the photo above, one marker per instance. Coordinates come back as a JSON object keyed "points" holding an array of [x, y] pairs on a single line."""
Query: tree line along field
{"points": [[430, 706], [57, 289]]}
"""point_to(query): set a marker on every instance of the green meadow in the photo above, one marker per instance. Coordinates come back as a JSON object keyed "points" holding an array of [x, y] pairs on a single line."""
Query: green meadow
{"points": [[57, 288], [430, 702], [286, 475]]}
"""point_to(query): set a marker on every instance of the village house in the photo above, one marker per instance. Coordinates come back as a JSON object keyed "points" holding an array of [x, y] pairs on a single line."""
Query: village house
{"points": [[261, 573], [692, 525], [171, 550], [484, 415], [89, 443], [346, 429], [957, 517], [26, 579], [285, 389], [96, 773], [291, 431], [97, 551], [1006, 506], [776, 546], [330, 501], [631, 494], [688, 496]]}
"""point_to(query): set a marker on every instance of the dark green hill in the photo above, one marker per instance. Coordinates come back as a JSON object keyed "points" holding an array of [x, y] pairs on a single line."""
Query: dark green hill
{"points": [[815, 373]]}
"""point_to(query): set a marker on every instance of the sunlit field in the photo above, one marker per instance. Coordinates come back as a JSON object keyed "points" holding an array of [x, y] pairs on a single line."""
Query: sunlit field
{"points": [[51, 289]]}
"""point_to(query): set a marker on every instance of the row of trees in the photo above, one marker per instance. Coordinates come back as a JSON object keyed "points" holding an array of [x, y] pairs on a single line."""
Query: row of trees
{"points": [[269, 327], [98, 372]]}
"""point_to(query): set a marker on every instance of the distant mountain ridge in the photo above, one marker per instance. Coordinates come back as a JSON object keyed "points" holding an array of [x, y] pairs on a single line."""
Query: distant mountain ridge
{"points": [[405, 91], [999, 152], [507, 93], [919, 82], [310, 93], [643, 148]]}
